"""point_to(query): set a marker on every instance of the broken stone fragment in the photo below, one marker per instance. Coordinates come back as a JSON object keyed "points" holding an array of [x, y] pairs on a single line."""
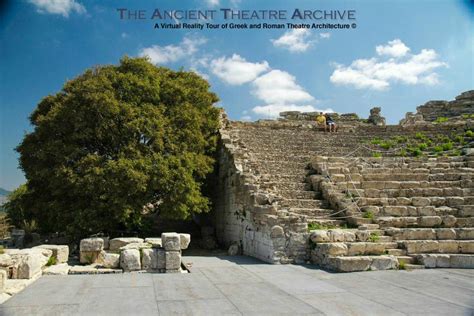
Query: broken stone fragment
{"points": [[171, 241], [60, 252], [91, 244], [117, 243], [184, 240], [130, 260]]}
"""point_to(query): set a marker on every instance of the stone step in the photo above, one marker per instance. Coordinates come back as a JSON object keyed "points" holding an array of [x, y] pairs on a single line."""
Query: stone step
{"points": [[396, 252], [405, 259], [356, 263], [417, 201], [424, 221], [303, 203], [431, 233], [458, 261], [410, 266], [437, 246], [327, 222], [311, 211], [297, 194]]}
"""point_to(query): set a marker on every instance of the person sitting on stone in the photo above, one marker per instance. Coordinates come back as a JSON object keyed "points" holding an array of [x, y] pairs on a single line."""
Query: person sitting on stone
{"points": [[331, 125], [321, 121]]}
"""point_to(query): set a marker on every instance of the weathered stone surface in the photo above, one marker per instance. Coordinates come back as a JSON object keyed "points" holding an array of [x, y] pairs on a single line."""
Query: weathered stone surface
{"points": [[332, 249], [349, 236], [384, 263], [160, 259], [171, 241], [429, 221], [92, 269], [117, 243], [89, 257], [149, 259], [106, 242], [91, 244], [3, 280], [173, 260], [462, 261], [60, 252], [5, 260], [372, 248], [57, 269], [277, 231], [184, 240], [234, 249], [446, 233], [130, 259], [356, 248], [29, 262], [352, 264], [136, 245], [319, 236], [110, 260], [154, 241], [336, 235]]}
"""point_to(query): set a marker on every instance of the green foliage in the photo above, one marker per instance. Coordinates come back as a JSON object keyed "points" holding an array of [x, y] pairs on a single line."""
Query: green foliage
{"points": [[420, 136], [403, 153], [422, 146], [400, 139], [318, 226], [376, 141], [401, 265], [51, 261], [368, 214], [374, 237], [459, 139], [2, 250], [469, 133], [114, 139], [438, 148], [441, 120], [376, 155], [447, 146], [386, 144]]}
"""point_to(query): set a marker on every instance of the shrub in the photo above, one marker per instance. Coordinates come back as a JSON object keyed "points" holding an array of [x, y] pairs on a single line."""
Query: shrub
{"points": [[447, 146], [374, 237], [469, 133], [386, 145], [403, 153], [2, 250], [376, 141], [422, 146], [400, 139], [368, 214], [376, 155], [420, 136], [441, 120], [438, 148], [51, 261], [459, 139]]}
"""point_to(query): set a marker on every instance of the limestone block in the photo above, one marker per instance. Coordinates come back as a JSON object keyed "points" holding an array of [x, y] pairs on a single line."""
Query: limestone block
{"points": [[449, 221], [60, 252], [466, 246], [5, 260], [420, 234], [351, 264], [136, 245], [349, 236], [319, 236], [447, 246], [396, 210], [130, 259], [429, 261], [384, 263], [332, 249], [462, 261], [91, 244], [171, 241], [420, 201], [173, 260], [30, 262], [110, 260], [160, 259], [277, 231], [373, 248], [429, 221], [155, 242], [362, 235], [427, 211], [89, 257], [3, 280], [445, 233], [149, 259], [57, 269], [356, 248], [462, 233], [184, 240], [117, 243], [454, 201], [443, 261], [336, 235]]}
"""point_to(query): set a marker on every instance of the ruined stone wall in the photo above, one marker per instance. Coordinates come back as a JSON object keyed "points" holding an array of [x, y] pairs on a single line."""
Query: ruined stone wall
{"points": [[463, 104]]}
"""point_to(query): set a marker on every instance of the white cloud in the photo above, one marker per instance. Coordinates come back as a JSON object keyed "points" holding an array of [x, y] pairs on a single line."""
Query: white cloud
{"points": [[279, 87], [274, 110], [296, 40], [171, 53], [395, 48], [213, 3], [325, 35], [236, 70], [62, 7], [378, 74]]}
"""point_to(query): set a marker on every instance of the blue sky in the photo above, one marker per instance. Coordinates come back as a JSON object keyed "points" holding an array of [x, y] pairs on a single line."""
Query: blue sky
{"points": [[400, 55]]}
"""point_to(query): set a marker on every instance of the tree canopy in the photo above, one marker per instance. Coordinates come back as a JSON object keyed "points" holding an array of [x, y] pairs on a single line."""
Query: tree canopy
{"points": [[113, 140]]}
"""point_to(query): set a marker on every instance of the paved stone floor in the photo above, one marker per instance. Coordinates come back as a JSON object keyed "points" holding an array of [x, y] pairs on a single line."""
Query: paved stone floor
{"points": [[245, 286]]}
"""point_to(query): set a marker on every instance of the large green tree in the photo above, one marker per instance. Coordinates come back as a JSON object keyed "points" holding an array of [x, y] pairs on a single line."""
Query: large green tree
{"points": [[115, 139]]}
